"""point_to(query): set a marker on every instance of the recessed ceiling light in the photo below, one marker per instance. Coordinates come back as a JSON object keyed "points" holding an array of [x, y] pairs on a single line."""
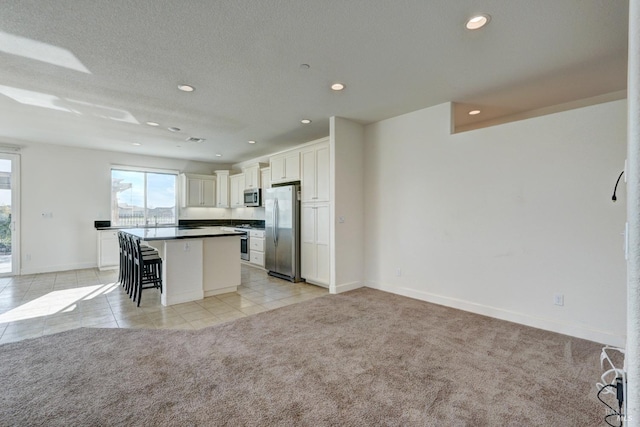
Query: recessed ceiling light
{"points": [[305, 121], [474, 112], [153, 124], [305, 66], [186, 88], [337, 86], [218, 155], [251, 142], [174, 129], [194, 139], [477, 22], [137, 144]]}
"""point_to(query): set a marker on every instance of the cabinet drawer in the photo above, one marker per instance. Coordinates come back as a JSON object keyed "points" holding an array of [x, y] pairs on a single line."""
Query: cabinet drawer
{"points": [[108, 234], [256, 233], [257, 258], [256, 244]]}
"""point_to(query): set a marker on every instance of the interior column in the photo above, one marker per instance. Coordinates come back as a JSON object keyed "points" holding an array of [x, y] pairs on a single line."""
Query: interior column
{"points": [[633, 218]]}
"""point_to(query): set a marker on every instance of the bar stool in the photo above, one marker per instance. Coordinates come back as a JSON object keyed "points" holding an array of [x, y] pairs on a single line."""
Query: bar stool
{"points": [[147, 270], [126, 271]]}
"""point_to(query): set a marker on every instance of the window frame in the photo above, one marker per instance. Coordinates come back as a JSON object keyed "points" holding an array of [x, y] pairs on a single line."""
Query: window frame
{"points": [[146, 170]]}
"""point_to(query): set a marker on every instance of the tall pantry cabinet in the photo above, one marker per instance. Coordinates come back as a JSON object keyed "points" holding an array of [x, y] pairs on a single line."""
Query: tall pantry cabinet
{"points": [[315, 214]]}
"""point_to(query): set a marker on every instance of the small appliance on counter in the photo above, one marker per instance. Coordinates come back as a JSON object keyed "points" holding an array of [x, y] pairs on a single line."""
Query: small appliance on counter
{"points": [[102, 224]]}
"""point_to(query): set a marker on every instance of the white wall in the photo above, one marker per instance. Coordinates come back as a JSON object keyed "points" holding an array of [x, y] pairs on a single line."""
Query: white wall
{"points": [[347, 185], [74, 185], [498, 220]]}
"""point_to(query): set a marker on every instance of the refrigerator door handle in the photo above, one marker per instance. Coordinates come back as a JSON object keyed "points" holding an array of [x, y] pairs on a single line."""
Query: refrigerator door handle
{"points": [[277, 212], [274, 215]]}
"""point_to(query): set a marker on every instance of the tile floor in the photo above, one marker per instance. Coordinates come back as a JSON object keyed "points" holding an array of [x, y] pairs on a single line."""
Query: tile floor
{"points": [[41, 304]]}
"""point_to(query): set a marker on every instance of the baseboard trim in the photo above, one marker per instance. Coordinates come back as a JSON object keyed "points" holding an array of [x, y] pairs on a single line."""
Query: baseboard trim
{"points": [[573, 330], [220, 291], [344, 287], [57, 268], [174, 299]]}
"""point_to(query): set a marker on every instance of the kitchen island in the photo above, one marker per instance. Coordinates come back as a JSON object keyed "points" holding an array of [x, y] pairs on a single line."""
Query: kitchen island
{"points": [[197, 262]]}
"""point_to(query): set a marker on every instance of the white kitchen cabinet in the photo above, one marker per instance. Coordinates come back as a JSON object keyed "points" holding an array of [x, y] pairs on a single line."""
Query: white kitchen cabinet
{"points": [[314, 238], [256, 247], [285, 167], [251, 176], [236, 185], [265, 182], [198, 190], [315, 173], [222, 189], [265, 178], [108, 249]]}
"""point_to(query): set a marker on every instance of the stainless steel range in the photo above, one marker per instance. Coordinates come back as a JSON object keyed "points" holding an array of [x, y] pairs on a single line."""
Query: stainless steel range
{"points": [[244, 244], [245, 240]]}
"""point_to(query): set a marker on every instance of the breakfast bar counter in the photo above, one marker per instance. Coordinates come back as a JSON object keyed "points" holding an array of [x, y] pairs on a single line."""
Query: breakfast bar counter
{"points": [[197, 262]]}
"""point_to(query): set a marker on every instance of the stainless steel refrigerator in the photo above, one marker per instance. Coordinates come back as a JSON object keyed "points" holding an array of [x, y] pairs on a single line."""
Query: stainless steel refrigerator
{"points": [[282, 232]]}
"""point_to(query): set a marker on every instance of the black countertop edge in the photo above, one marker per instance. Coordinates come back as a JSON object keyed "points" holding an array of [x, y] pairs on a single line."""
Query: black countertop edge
{"points": [[253, 223], [174, 233]]}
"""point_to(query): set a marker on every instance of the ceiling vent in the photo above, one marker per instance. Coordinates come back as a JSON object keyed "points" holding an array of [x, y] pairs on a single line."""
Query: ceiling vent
{"points": [[194, 139]]}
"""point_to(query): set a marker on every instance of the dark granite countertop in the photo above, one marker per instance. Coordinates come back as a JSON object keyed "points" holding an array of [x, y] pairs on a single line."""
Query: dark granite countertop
{"points": [[235, 223], [173, 233]]}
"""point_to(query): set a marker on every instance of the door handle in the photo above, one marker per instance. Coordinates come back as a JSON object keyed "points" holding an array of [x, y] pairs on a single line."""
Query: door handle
{"points": [[277, 222], [273, 217]]}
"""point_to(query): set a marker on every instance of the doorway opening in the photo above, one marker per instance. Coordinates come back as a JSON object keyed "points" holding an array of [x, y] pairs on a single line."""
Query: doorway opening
{"points": [[9, 254]]}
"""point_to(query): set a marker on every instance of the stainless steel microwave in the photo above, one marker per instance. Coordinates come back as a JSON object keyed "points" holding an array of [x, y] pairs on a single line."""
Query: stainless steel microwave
{"points": [[252, 197]]}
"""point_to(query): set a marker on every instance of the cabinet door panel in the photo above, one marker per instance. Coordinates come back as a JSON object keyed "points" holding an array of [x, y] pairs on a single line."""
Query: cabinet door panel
{"points": [[292, 166], [307, 242], [222, 193], [257, 245], [323, 263], [323, 222], [277, 169], [308, 220], [308, 186], [208, 192], [322, 174], [257, 258], [193, 192]]}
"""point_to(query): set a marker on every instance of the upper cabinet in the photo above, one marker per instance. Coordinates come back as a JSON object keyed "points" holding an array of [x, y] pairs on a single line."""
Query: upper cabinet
{"points": [[222, 189], [265, 181], [198, 190], [251, 176], [265, 178], [285, 167], [237, 186], [315, 173]]}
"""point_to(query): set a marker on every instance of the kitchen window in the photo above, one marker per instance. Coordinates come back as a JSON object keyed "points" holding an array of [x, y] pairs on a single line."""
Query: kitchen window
{"points": [[143, 197]]}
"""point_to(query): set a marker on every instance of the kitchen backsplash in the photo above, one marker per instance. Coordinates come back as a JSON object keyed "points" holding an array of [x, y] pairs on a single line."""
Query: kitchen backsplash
{"points": [[217, 213]]}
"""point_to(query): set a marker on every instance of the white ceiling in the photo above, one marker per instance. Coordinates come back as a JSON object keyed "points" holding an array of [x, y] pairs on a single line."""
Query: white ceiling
{"points": [[91, 73]]}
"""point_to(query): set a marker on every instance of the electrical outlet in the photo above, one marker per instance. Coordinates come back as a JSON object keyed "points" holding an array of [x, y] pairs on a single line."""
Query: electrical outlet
{"points": [[558, 299], [28, 257], [398, 272], [187, 247]]}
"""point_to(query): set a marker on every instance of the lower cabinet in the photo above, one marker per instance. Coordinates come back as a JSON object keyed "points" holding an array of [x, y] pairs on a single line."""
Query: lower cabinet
{"points": [[314, 238], [256, 247], [108, 249]]}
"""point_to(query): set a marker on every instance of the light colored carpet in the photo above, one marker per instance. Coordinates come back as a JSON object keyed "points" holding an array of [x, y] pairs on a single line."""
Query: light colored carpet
{"points": [[361, 358]]}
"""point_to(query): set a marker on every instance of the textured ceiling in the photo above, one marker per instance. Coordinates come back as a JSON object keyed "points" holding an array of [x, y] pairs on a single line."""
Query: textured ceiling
{"points": [[91, 73]]}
